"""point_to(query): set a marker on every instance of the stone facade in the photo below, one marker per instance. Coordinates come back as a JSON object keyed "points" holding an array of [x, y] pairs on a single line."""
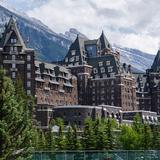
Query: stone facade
{"points": [[148, 87], [101, 77], [16, 58], [76, 114], [55, 85]]}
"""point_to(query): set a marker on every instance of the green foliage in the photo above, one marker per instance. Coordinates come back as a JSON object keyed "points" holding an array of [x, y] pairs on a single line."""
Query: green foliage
{"points": [[156, 137], [17, 132], [146, 137], [88, 137], [128, 138]]}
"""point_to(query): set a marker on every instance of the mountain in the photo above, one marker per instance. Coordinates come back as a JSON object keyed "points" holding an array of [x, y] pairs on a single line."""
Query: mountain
{"points": [[51, 46], [48, 44], [139, 60]]}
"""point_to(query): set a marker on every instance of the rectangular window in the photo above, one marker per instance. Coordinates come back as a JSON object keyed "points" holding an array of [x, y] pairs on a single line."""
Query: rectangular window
{"points": [[13, 75], [13, 65], [28, 92], [71, 59], [13, 40], [66, 59], [100, 64], [73, 52], [15, 49], [102, 70], [28, 66], [110, 69], [28, 75], [77, 58], [28, 57], [28, 84], [13, 57], [108, 63], [11, 48]]}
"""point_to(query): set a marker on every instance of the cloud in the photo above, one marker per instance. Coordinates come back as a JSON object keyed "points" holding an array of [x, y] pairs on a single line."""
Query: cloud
{"points": [[129, 23]]}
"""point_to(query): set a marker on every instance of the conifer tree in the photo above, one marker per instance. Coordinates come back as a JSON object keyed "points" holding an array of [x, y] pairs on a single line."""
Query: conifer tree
{"points": [[156, 137], [100, 135], [146, 137], [88, 137], [17, 132], [109, 130]]}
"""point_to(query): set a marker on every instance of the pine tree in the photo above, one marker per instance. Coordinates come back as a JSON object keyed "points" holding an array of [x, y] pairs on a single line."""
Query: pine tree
{"points": [[61, 140], [100, 136], [109, 130], [146, 137], [128, 138], [17, 132], [156, 137], [88, 137], [76, 140]]}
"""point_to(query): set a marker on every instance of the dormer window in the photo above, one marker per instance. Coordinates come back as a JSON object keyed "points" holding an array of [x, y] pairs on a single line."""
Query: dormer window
{"points": [[108, 63], [100, 64], [95, 70], [102, 70], [71, 59], [66, 59], [73, 52], [13, 40]]}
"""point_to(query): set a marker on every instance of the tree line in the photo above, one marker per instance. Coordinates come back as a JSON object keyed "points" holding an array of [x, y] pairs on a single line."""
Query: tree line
{"points": [[19, 136]]}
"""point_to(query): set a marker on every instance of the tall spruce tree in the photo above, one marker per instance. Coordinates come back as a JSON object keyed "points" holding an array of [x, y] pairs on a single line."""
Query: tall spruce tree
{"points": [[88, 137], [17, 133], [109, 130]]}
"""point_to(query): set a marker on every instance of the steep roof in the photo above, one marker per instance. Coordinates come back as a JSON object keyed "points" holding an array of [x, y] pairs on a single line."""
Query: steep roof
{"points": [[11, 29], [104, 42], [156, 64]]}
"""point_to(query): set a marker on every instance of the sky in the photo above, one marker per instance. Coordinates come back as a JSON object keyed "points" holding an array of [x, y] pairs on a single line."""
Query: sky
{"points": [[129, 23]]}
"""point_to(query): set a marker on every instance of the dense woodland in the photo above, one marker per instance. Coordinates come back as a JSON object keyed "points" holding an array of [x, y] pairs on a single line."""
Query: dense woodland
{"points": [[19, 137]]}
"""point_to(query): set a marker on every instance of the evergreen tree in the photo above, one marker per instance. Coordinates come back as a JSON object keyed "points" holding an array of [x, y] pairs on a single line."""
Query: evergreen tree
{"points": [[109, 130], [61, 140], [146, 137], [88, 137], [100, 136], [156, 137], [76, 140], [69, 139], [128, 138], [17, 133]]}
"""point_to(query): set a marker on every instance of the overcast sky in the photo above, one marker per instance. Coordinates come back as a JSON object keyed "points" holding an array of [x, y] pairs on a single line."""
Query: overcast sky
{"points": [[130, 23]]}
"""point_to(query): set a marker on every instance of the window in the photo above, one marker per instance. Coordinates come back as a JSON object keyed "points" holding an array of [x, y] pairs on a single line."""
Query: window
{"points": [[13, 40], [13, 57], [110, 69], [13, 75], [95, 70], [28, 84], [28, 57], [71, 59], [28, 66], [13, 65], [102, 70], [66, 59], [28, 75], [15, 49], [77, 58], [112, 75], [28, 92], [108, 63], [73, 52], [100, 64], [11, 48]]}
